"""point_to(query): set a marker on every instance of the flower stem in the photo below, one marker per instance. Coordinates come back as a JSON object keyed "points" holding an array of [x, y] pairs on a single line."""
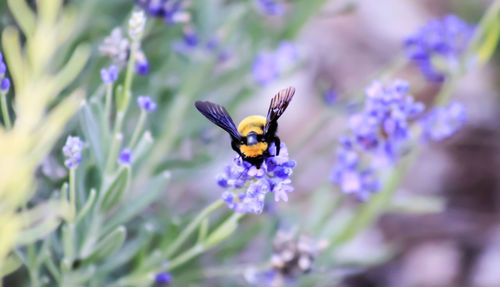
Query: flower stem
{"points": [[138, 129], [72, 191], [183, 236], [5, 111], [107, 105]]}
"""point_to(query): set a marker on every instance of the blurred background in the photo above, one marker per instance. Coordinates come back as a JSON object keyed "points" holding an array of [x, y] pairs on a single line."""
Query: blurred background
{"points": [[444, 228]]}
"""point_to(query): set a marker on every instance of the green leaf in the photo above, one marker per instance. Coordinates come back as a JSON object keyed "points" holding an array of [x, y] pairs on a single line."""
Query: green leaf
{"points": [[490, 41], [116, 189], [106, 246], [135, 203], [88, 204], [223, 231], [25, 17], [90, 128], [11, 264]]}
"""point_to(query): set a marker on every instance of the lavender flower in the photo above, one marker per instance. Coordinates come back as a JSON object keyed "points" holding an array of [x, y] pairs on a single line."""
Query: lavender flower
{"points": [[377, 132], [141, 63], [125, 157], [172, 11], [330, 97], [268, 66], [270, 7], [190, 37], [146, 103], [163, 278], [109, 75], [136, 25], [116, 47], [446, 38], [246, 186], [5, 85], [443, 122], [72, 151]]}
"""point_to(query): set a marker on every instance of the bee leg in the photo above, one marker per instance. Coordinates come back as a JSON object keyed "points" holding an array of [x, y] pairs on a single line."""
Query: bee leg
{"points": [[236, 147], [277, 142]]}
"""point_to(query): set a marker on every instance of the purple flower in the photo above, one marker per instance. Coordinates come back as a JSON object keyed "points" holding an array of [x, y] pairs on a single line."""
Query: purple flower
{"points": [[270, 7], [190, 37], [3, 68], [5, 84], [268, 66], [72, 151], [376, 136], [330, 97], [247, 186], [141, 63], [172, 11], [265, 69], [446, 38], [125, 157], [163, 278], [146, 103], [443, 122], [109, 75]]}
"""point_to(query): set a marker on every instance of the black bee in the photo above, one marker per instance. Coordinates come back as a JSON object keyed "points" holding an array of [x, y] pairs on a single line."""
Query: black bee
{"points": [[255, 134]]}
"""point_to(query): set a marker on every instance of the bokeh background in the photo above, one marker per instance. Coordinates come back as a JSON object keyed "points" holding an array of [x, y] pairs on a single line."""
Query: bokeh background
{"points": [[443, 229]]}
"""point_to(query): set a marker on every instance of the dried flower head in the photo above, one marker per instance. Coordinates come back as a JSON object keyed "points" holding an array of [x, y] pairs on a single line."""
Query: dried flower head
{"points": [[136, 26], [116, 47]]}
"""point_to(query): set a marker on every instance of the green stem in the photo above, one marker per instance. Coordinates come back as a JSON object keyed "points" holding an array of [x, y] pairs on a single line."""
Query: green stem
{"points": [[183, 236], [107, 105], [72, 191], [5, 111], [138, 129]]}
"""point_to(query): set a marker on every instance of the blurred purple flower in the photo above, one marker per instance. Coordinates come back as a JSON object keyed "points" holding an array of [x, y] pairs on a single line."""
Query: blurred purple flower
{"points": [[443, 122], [172, 11], [246, 186], [447, 38], [72, 151], [109, 75], [146, 103], [163, 278], [190, 37], [330, 96], [268, 66], [5, 85], [377, 132], [270, 7], [141, 63], [125, 157]]}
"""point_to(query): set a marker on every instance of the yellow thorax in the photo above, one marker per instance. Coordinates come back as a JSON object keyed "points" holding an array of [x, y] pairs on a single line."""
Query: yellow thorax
{"points": [[252, 124]]}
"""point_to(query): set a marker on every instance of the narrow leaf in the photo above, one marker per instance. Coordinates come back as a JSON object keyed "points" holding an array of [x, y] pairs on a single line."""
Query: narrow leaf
{"points": [[116, 189], [90, 128], [107, 246]]}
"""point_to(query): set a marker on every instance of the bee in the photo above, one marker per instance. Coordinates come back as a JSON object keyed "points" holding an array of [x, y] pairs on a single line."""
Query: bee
{"points": [[255, 134]]}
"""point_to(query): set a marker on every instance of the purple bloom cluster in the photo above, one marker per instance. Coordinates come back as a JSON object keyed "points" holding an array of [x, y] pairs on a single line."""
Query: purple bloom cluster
{"points": [[72, 151], [125, 157], [4, 82], [268, 66], [447, 38], [171, 11], [141, 63], [442, 122], [109, 75], [270, 7], [246, 186], [377, 132], [163, 278], [146, 103]]}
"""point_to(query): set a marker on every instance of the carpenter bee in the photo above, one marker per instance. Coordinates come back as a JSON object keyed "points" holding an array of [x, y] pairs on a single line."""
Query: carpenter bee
{"points": [[255, 134]]}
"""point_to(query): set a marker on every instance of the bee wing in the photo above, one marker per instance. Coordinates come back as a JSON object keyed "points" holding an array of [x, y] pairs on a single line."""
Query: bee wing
{"points": [[278, 105], [218, 115]]}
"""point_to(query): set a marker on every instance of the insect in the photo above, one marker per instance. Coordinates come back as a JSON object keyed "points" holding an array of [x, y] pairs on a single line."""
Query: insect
{"points": [[255, 134]]}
